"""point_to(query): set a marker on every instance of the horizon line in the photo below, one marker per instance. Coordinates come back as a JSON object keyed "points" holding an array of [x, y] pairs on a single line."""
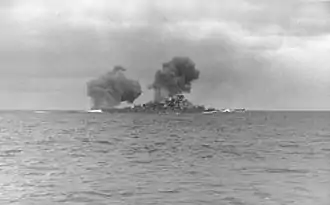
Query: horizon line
{"points": [[85, 110]]}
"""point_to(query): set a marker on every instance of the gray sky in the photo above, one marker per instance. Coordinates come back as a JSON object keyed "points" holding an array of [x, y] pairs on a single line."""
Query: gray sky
{"points": [[258, 54]]}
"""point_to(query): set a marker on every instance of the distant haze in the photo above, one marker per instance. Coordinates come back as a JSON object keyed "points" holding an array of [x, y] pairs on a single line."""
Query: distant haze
{"points": [[255, 54]]}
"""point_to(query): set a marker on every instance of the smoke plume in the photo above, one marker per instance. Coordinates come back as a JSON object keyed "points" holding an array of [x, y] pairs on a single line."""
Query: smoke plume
{"points": [[113, 88], [174, 78]]}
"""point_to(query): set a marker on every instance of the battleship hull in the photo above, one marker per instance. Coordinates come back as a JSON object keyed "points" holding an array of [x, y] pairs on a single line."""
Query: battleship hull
{"points": [[155, 111], [175, 104]]}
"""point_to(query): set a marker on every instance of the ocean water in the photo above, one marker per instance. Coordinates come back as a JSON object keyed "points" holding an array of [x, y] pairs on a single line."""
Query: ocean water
{"points": [[267, 158]]}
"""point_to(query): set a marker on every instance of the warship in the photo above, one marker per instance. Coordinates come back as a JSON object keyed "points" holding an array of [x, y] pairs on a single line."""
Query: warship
{"points": [[177, 104], [174, 104], [170, 82]]}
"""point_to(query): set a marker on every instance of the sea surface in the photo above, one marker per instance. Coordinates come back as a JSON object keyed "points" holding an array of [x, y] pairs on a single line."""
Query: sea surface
{"points": [[252, 158]]}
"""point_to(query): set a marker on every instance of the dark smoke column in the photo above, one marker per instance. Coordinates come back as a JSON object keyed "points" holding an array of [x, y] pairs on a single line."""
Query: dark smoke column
{"points": [[175, 77], [113, 88]]}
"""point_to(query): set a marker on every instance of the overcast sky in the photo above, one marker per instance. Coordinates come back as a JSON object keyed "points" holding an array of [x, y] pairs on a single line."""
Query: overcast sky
{"points": [[257, 54]]}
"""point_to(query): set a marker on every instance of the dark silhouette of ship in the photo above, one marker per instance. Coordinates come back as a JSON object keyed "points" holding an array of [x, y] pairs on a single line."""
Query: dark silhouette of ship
{"points": [[174, 104]]}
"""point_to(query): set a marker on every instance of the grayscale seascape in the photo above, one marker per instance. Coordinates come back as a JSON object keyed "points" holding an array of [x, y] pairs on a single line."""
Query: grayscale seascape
{"points": [[268, 158], [164, 102]]}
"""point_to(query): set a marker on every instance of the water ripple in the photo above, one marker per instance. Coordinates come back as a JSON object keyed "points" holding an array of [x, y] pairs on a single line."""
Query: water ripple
{"points": [[251, 158]]}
